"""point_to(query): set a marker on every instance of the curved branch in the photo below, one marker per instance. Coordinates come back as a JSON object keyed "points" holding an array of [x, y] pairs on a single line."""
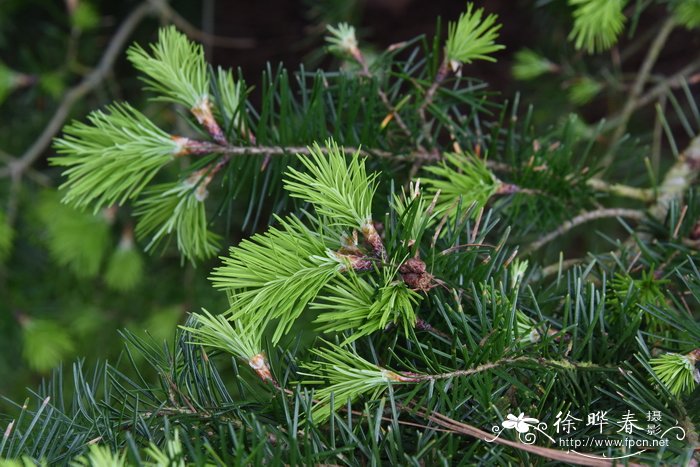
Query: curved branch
{"points": [[169, 14], [583, 218]]}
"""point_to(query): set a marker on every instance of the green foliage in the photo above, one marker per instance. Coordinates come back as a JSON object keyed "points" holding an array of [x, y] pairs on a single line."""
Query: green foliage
{"points": [[341, 39], [583, 90], [474, 315], [162, 323], [461, 178], [346, 376], [414, 211], [677, 372], [52, 83], [276, 274], [8, 81], [45, 344], [100, 456], [648, 288], [597, 23], [530, 65], [75, 239], [111, 160], [171, 456], [232, 95], [85, 16], [351, 303], [472, 38], [24, 461], [687, 13], [238, 338], [177, 208], [175, 68], [125, 268], [338, 191], [7, 234]]}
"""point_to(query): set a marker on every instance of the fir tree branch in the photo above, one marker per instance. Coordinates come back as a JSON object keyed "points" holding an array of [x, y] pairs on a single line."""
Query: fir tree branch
{"points": [[581, 219], [111, 159], [292, 151], [679, 177], [558, 364], [469, 38]]}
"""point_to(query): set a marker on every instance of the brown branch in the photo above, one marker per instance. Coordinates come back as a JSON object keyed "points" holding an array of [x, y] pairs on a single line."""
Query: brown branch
{"points": [[675, 81], [169, 14], [559, 266], [293, 150], [196, 147], [561, 364], [686, 74], [440, 76], [583, 218]]}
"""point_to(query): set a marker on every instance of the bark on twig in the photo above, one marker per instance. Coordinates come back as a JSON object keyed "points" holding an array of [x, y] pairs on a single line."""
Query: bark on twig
{"points": [[582, 219]]}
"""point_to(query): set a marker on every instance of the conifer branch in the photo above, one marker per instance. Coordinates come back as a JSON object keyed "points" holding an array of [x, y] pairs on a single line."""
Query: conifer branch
{"points": [[200, 147], [177, 208], [472, 38], [463, 176], [686, 75], [440, 261], [175, 68], [238, 338], [557, 364], [341, 193], [677, 372], [112, 159], [275, 275]]}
